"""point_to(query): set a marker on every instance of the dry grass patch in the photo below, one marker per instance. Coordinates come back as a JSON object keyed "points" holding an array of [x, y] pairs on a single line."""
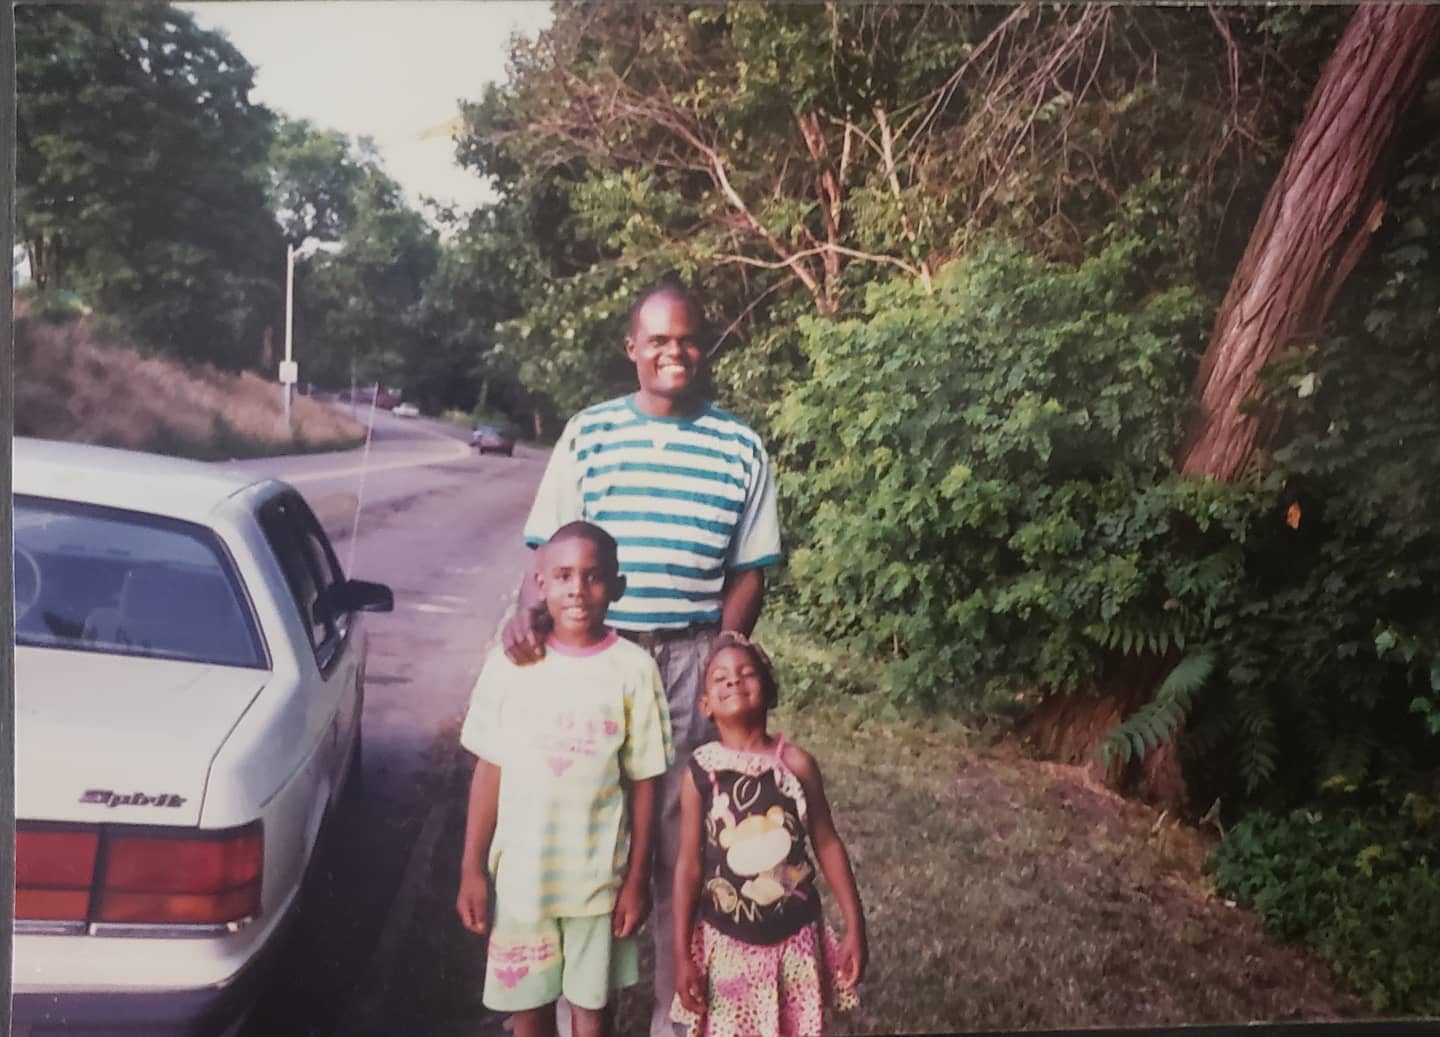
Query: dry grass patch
{"points": [[71, 384], [1002, 893]]}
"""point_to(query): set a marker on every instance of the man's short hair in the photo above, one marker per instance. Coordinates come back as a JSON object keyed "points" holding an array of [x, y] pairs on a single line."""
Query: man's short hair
{"points": [[673, 286]]}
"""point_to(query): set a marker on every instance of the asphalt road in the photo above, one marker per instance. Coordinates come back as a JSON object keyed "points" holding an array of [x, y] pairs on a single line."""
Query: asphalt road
{"points": [[442, 527]]}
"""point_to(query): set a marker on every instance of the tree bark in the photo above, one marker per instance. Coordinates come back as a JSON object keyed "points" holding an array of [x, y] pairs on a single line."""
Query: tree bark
{"points": [[1315, 224], [1069, 728]]}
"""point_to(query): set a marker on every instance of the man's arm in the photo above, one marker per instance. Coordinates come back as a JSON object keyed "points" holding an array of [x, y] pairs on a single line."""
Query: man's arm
{"points": [[523, 638], [754, 545], [742, 599]]}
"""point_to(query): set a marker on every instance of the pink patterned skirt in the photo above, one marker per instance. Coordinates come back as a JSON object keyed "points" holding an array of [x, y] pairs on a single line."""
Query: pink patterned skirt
{"points": [[757, 990]]}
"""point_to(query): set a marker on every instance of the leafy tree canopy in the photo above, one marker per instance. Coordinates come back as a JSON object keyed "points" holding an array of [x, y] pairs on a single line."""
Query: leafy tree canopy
{"points": [[141, 175]]}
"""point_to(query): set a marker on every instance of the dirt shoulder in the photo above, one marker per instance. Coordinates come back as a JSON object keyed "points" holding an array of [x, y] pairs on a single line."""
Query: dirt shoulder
{"points": [[73, 383]]}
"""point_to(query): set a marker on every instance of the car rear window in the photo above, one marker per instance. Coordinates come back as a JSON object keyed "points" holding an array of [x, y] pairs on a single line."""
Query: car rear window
{"points": [[105, 580]]}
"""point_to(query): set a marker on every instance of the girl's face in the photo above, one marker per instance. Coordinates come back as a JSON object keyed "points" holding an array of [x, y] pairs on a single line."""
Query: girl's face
{"points": [[733, 688]]}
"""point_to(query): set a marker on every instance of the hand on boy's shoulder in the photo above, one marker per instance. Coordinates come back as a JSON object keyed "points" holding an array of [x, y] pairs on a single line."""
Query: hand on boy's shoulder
{"points": [[522, 636]]}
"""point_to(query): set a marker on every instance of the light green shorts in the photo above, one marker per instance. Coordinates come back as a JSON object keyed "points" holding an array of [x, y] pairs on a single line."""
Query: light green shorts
{"points": [[531, 964]]}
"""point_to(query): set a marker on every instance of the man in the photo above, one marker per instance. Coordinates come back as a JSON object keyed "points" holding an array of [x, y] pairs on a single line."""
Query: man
{"points": [[687, 491]]}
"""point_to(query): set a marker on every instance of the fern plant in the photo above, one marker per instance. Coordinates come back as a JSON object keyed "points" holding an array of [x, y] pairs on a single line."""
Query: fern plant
{"points": [[1156, 722]]}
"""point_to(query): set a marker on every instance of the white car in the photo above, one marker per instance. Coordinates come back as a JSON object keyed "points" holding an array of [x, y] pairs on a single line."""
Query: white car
{"points": [[189, 679], [406, 410]]}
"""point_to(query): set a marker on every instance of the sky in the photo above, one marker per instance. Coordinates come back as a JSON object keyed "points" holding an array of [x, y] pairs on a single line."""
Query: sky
{"points": [[386, 69]]}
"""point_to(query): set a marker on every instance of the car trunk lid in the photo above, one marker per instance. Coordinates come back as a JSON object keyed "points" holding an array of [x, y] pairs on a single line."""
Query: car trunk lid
{"points": [[106, 738]]}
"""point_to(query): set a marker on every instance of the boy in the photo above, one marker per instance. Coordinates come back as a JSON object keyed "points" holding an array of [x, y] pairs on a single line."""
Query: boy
{"points": [[562, 800]]}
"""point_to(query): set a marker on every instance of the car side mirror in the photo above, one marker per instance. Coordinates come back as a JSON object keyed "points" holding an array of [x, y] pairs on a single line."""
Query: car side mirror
{"points": [[353, 596]]}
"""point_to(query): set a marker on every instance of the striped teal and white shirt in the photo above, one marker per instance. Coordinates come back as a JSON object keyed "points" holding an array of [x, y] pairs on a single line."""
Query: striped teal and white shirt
{"points": [[688, 500]]}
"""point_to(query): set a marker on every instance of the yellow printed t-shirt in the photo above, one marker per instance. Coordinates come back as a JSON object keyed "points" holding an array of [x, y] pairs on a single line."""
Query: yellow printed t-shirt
{"points": [[563, 731]]}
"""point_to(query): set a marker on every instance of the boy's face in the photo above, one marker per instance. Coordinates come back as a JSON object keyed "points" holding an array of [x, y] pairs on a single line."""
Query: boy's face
{"points": [[577, 587], [733, 686], [665, 350]]}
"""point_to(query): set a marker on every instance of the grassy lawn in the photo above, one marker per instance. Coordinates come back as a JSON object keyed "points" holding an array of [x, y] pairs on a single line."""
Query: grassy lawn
{"points": [[1001, 893]]}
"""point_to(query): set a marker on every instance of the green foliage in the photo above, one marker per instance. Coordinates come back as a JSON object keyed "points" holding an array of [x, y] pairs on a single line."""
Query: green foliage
{"points": [[1359, 885], [977, 505], [317, 175], [980, 477], [477, 283], [359, 309], [791, 155], [1331, 649], [571, 339], [141, 177]]}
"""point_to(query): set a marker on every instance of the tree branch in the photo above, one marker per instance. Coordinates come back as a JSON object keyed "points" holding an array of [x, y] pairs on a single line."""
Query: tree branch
{"points": [[871, 257]]}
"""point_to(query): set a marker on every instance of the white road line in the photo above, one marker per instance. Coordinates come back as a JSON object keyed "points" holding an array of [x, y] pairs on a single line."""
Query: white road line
{"points": [[460, 450], [446, 609]]}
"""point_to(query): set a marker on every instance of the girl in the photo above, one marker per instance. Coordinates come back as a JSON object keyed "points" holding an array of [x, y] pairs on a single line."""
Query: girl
{"points": [[760, 963]]}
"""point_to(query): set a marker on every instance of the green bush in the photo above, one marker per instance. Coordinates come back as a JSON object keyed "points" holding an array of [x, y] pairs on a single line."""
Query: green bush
{"points": [[1359, 885], [981, 478]]}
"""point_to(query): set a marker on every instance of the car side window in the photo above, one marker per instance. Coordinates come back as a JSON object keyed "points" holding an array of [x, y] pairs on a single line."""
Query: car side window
{"points": [[323, 561], [310, 567]]}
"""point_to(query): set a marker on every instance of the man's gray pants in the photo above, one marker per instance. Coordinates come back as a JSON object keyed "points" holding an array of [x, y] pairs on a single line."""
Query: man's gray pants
{"points": [[682, 663]]}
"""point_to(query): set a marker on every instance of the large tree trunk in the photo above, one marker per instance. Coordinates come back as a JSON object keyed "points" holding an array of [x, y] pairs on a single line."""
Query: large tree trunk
{"points": [[1069, 729], [1316, 222]]}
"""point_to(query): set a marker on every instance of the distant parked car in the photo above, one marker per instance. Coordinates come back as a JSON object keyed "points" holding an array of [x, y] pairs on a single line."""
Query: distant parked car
{"points": [[386, 398], [383, 398], [189, 682], [488, 439], [406, 410]]}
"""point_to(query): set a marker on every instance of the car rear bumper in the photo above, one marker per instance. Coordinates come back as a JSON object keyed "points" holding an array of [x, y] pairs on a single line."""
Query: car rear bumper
{"points": [[195, 1012], [165, 1013]]}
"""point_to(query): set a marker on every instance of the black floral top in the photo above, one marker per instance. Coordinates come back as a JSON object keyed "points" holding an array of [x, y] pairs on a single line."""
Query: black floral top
{"points": [[758, 883]]}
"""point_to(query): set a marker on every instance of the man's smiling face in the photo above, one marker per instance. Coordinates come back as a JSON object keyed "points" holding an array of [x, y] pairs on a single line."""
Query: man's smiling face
{"points": [[665, 348]]}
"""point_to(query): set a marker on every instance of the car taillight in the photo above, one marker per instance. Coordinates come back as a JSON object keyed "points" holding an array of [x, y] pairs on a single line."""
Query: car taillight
{"points": [[137, 876], [193, 879], [53, 873]]}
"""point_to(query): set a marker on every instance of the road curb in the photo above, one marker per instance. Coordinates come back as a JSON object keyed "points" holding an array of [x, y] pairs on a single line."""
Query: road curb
{"points": [[357, 1020]]}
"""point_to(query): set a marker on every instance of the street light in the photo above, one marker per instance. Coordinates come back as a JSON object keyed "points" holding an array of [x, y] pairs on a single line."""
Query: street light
{"points": [[289, 370]]}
